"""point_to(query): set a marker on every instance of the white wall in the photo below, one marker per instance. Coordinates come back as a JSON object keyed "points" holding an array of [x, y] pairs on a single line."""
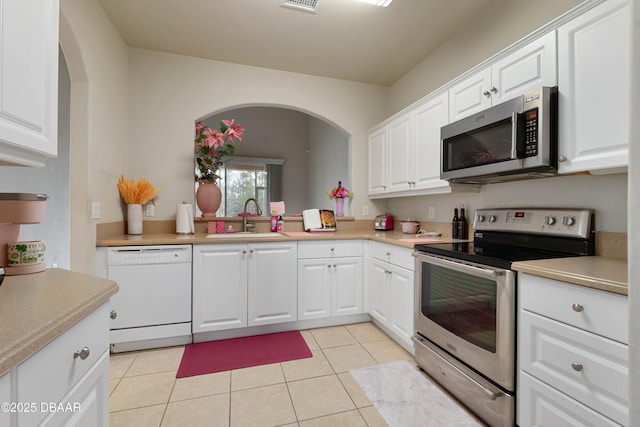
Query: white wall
{"points": [[97, 61], [168, 92]]}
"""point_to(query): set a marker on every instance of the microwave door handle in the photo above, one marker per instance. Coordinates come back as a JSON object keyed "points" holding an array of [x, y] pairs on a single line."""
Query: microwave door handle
{"points": [[463, 268], [514, 135]]}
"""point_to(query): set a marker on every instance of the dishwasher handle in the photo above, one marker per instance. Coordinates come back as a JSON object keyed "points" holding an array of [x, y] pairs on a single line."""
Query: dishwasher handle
{"points": [[141, 255]]}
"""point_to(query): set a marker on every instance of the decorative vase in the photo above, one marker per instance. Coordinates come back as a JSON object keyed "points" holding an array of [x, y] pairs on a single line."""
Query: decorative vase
{"points": [[134, 219], [339, 206], [208, 198]]}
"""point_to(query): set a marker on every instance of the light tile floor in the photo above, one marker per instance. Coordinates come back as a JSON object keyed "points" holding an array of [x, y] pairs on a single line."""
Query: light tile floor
{"points": [[314, 392]]}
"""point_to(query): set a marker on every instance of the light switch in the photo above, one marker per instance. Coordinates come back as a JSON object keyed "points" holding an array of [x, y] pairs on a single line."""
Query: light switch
{"points": [[150, 209], [95, 210]]}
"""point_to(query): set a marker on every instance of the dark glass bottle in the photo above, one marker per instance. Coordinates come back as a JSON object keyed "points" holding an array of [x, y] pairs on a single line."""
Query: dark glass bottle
{"points": [[455, 224], [463, 229]]}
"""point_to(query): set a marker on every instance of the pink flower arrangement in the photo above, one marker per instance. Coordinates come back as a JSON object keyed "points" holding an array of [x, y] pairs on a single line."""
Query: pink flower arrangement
{"points": [[339, 192], [212, 144]]}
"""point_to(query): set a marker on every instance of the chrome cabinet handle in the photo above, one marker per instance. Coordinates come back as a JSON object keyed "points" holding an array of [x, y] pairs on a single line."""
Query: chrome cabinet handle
{"points": [[82, 354], [329, 265], [493, 89], [334, 266], [577, 308], [250, 251], [562, 158], [577, 366], [486, 93], [244, 251], [113, 314]]}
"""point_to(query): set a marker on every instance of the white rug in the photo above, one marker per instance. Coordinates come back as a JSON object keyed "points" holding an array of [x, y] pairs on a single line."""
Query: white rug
{"points": [[406, 397]]}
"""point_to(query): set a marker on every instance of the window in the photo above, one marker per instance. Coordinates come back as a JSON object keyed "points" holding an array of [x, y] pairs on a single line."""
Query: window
{"points": [[242, 178]]}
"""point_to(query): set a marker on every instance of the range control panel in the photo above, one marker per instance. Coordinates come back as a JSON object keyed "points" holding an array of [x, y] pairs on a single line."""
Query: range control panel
{"points": [[554, 222]]}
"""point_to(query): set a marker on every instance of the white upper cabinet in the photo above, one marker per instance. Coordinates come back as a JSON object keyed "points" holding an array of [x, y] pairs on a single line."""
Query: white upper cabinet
{"points": [[28, 81], [593, 86], [429, 117], [378, 161], [400, 152], [530, 67]]}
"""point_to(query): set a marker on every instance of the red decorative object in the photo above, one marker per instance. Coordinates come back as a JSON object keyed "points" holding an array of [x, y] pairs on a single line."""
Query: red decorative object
{"points": [[208, 198], [236, 353]]}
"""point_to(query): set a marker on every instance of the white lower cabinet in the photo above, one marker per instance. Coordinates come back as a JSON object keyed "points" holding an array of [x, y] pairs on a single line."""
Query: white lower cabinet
{"points": [[66, 383], [572, 355], [391, 281], [239, 285], [329, 279]]}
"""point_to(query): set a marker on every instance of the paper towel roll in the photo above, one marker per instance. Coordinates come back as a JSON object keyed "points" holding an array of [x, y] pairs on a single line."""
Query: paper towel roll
{"points": [[184, 219]]}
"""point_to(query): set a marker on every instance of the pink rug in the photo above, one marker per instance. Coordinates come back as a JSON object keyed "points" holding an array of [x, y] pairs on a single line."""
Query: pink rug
{"points": [[236, 353]]}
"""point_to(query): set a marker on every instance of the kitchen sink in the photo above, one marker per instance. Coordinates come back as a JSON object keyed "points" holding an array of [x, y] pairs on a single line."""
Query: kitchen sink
{"points": [[242, 235]]}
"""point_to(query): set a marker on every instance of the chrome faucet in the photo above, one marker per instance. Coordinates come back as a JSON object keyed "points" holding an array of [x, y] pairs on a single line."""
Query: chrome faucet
{"points": [[245, 224]]}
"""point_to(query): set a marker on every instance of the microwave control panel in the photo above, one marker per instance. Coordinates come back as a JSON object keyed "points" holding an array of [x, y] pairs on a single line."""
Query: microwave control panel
{"points": [[530, 133]]}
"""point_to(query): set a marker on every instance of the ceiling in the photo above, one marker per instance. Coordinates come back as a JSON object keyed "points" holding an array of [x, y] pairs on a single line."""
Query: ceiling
{"points": [[345, 39]]}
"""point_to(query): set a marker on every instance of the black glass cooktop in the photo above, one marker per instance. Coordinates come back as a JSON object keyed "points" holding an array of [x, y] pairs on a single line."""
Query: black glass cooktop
{"points": [[500, 256]]}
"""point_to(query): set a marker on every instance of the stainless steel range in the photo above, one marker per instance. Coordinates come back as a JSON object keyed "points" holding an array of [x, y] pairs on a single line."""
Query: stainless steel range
{"points": [[465, 312]]}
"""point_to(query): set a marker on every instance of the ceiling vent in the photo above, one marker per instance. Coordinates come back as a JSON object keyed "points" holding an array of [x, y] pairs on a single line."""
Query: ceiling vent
{"points": [[306, 5]]}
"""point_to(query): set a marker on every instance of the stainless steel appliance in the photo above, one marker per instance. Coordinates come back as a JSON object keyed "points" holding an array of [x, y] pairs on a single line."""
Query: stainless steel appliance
{"points": [[383, 223], [465, 311], [153, 306], [513, 140]]}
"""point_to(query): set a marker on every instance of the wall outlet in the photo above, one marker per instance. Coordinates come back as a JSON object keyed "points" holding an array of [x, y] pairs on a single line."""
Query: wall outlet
{"points": [[95, 210], [365, 210], [432, 212], [149, 209]]}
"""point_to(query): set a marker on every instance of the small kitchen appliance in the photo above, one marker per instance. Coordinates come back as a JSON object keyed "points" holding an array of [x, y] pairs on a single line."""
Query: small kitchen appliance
{"points": [[383, 223], [510, 141], [465, 305], [17, 209]]}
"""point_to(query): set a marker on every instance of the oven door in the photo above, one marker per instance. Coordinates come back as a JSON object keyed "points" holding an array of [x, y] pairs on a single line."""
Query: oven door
{"points": [[469, 311]]}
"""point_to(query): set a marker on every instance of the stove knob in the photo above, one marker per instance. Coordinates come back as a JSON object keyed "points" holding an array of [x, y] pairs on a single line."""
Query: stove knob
{"points": [[492, 218], [481, 218], [549, 220], [568, 220]]}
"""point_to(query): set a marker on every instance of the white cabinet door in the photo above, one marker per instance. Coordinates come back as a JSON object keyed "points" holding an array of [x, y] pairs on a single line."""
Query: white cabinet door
{"points": [[594, 89], [86, 404], [273, 283], [529, 68], [5, 396], [314, 288], [377, 161], [429, 118], [401, 297], [470, 95], [346, 286], [400, 152], [219, 287], [29, 84], [379, 288]]}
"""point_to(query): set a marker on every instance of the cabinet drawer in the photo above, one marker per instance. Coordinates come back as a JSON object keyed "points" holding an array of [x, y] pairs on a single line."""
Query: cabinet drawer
{"points": [[600, 312], [402, 257], [542, 406], [592, 369], [50, 373], [323, 249]]}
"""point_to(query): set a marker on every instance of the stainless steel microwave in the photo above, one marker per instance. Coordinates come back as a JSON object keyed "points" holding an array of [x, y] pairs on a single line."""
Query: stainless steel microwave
{"points": [[514, 140]]}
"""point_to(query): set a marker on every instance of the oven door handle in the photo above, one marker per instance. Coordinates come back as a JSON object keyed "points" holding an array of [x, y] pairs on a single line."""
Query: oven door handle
{"points": [[490, 393], [462, 267]]}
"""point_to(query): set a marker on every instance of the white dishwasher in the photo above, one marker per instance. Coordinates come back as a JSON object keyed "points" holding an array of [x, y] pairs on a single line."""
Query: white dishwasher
{"points": [[153, 306]]}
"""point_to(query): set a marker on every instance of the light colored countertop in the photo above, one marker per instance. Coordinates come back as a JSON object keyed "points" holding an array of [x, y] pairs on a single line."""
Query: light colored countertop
{"points": [[37, 308], [603, 273], [393, 237]]}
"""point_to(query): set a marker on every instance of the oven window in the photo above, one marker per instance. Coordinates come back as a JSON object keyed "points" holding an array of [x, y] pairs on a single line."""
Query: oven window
{"points": [[463, 304], [489, 144]]}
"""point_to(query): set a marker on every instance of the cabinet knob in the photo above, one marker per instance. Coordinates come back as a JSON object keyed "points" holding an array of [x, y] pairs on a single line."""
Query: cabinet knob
{"points": [[329, 265], [388, 253], [334, 266], [250, 251], [577, 308], [486, 93], [82, 354], [576, 366], [113, 314], [244, 251], [494, 89], [562, 158]]}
